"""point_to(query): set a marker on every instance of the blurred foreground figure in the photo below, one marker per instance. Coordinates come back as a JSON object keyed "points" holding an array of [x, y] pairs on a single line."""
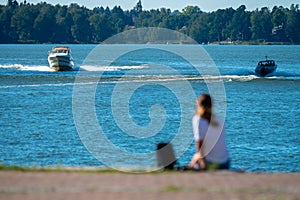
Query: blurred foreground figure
{"points": [[209, 135]]}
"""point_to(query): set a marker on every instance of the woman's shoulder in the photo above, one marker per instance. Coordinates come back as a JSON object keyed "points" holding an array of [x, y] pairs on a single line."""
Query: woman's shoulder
{"points": [[199, 119], [196, 117], [202, 121]]}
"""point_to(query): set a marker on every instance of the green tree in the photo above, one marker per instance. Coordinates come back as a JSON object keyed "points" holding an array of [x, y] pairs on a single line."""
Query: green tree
{"points": [[227, 20], [150, 18], [63, 22], [217, 25], [278, 16], [81, 28], [191, 11], [190, 14], [292, 26], [23, 20], [199, 29], [240, 24], [183, 22], [136, 11], [102, 28], [138, 8], [172, 22], [119, 20], [155, 18], [279, 24], [12, 4], [261, 24], [44, 23], [7, 33]]}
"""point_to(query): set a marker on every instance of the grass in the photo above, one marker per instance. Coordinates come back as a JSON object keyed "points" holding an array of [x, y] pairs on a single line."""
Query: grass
{"points": [[11, 168], [60, 168], [55, 169]]}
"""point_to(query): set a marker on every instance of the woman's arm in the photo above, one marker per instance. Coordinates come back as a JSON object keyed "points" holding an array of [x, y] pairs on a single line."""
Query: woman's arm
{"points": [[201, 158], [198, 156], [198, 144]]}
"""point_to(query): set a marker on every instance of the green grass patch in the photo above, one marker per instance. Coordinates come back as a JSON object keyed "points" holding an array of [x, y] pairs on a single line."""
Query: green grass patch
{"points": [[173, 188], [56, 169]]}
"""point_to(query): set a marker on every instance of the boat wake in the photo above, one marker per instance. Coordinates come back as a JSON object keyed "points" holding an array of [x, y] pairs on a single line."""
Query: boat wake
{"points": [[45, 68], [91, 68], [41, 68], [144, 73]]}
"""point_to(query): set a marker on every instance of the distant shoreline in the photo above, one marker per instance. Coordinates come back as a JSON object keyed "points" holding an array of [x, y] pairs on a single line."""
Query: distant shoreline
{"points": [[250, 43], [47, 23]]}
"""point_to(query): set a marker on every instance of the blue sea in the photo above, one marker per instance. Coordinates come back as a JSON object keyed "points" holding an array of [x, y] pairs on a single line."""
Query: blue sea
{"points": [[122, 100]]}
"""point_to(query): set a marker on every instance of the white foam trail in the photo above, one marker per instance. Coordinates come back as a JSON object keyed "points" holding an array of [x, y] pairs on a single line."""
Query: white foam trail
{"points": [[46, 85], [13, 66], [243, 78], [37, 68], [21, 67], [111, 68]]}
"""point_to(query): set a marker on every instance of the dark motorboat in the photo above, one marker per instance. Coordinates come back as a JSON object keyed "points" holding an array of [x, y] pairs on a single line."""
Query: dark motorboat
{"points": [[265, 67]]}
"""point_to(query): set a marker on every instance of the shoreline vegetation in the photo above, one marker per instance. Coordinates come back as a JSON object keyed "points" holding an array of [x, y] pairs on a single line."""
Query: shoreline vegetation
{"points": [[76, 169], [44, 23], [83, 169], [57, 169]]}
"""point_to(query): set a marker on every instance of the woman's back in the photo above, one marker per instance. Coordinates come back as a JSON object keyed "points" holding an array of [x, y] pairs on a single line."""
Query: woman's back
{"points": [[214, 147]]}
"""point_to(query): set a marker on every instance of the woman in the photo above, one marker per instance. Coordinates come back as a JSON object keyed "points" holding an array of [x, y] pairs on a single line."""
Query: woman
{"points": [[209, 134]]}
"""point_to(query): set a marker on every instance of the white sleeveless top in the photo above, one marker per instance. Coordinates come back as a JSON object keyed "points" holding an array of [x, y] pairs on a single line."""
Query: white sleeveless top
{"points": [[214, 146]]}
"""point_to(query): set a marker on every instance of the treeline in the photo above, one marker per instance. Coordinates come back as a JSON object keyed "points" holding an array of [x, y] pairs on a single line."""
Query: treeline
{"points": [[46, 23]]}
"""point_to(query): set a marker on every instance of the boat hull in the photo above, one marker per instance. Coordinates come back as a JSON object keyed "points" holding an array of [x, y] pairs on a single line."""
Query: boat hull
{"points": [[265, 67], [60, 59], [61, 63], [265, 71]]}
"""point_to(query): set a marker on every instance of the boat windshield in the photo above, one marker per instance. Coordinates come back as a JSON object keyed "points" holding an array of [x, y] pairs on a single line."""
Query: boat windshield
{"points": [[267, 63], [60, 50]]}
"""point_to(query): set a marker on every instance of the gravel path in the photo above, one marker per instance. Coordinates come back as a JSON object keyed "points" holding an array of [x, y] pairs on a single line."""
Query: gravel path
{"points": [[15, 185]]}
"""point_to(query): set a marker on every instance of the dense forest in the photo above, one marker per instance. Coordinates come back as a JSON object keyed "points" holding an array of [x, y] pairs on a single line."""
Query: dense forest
{"points": [[45, 23]]}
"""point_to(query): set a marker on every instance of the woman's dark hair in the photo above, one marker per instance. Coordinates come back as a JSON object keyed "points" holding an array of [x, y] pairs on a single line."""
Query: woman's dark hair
{"points": [[205, 102]]}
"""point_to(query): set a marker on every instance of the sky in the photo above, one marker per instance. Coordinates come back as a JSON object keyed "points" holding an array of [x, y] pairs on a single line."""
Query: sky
{"points": [[204, 5]]}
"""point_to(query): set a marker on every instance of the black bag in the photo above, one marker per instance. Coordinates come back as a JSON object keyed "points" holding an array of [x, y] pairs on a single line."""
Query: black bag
{"points": [[165, 156]]}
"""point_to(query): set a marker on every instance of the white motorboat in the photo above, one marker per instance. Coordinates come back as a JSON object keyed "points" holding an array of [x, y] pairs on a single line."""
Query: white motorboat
{"points": [[60, 58], [265, 67]]}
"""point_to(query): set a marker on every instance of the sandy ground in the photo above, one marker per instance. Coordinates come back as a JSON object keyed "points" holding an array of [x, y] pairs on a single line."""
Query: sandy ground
{"points": [[177, 185]]}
